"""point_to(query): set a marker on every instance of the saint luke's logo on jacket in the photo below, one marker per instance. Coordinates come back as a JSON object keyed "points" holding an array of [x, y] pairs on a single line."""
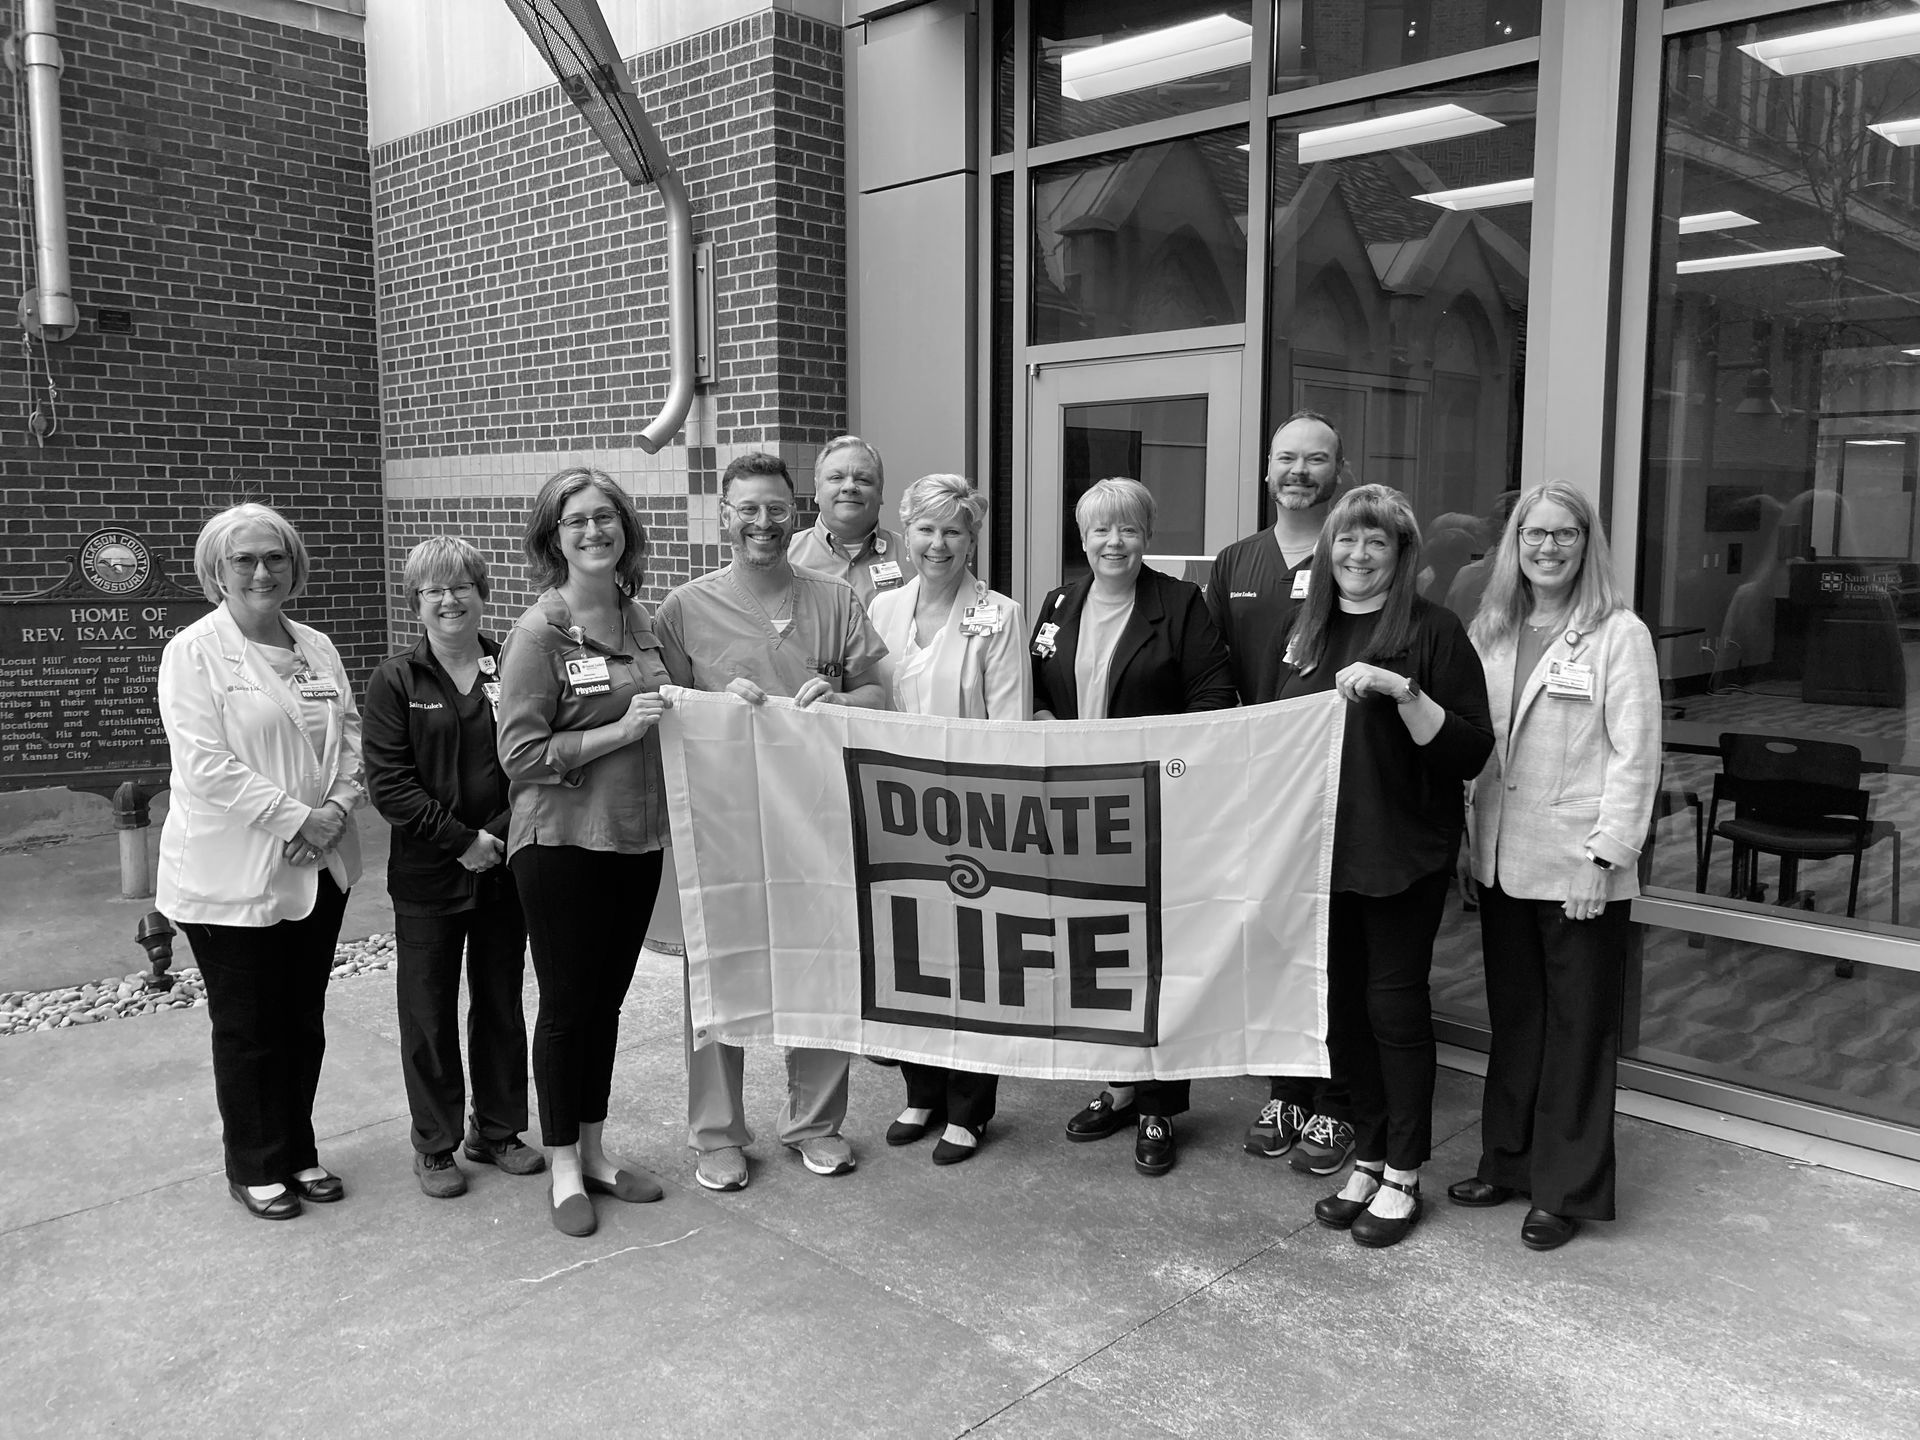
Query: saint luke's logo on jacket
{"points": [[1009, 900]]}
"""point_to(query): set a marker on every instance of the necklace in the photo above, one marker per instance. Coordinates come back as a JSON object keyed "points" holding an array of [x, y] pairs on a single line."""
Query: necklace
{"points": [[781, 616], [1551, 624]]}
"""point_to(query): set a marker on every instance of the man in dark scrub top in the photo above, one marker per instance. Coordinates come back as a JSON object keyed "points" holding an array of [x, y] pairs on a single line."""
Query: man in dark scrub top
{"points": [[1255, 585]]}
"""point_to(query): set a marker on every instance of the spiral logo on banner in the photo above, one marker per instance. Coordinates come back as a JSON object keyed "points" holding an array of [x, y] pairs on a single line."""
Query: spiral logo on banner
{"points": [[1009, 900]]}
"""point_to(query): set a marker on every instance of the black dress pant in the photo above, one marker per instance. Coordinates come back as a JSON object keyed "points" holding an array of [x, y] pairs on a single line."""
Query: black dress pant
{"points": [[1380, 1015], [493, 938], [965, 1097], [587, 914], [267, 999], [1554, 989], [1159, 1097], [1315, 1094]]}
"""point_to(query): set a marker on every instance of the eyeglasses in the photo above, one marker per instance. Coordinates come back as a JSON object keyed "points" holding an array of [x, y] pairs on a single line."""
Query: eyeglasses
{"points": [[778, 514], [436, 593], [599, 520], [274, 560], [1566, 537]]}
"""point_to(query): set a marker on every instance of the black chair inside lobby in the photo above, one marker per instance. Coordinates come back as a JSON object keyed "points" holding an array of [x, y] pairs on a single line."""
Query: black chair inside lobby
{"points": [[1799, 800]]}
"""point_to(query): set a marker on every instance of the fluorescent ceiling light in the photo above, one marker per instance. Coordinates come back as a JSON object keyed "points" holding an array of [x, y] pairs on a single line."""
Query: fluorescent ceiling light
{"points": [[1750, 259], [1886, 39], [1900, 132], [1910, 352], [1483, 197], [1714, 220], [1876, 442], [1390, 132], [1157, 57]]}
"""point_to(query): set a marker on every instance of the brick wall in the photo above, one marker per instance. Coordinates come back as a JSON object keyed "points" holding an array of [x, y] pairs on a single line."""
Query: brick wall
{"points": [[523, 305], [217, 187]]}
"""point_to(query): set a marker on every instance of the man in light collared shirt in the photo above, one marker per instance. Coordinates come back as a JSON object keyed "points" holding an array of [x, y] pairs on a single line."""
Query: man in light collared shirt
{"points": [[849, 542]]}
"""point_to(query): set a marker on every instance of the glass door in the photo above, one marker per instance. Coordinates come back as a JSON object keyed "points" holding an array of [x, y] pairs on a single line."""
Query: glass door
{"points": [[1170, 422]]}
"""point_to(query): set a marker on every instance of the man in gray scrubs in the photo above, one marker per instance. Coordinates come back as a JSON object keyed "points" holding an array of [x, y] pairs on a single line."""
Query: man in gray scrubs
{"points": [[762, 626]]}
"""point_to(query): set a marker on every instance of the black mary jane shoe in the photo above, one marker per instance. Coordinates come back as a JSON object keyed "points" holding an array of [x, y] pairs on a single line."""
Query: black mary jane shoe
{"points": [[1478, 1194], [902, 1132], [323, 1191], [945, 1152], [1543, 1230], [283, 1206], [1339, 1214], [1377, 1232]]}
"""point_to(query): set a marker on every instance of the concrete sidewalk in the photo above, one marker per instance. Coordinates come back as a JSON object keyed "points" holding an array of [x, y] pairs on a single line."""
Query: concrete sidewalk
{"points": [[1043, 1289]]}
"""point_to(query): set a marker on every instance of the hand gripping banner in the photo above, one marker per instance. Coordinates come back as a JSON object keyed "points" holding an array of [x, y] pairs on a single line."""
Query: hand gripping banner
{"points": [[1087, 900]]}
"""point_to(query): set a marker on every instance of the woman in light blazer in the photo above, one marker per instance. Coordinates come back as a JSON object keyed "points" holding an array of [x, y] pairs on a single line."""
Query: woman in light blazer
{"points": [[958, 649], [1557, 821], [259, 847]]}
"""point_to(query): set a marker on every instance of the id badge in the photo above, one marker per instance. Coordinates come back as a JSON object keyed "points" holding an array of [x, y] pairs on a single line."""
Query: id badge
{"points": [[491, 689], [1570, 680], [1301, 580], [315, 687], [886, 574], [982, 620], [1045, 639], [588, 675]]}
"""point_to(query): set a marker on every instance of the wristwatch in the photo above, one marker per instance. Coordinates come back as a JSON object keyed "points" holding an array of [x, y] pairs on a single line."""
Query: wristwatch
{"points": [[1413, 692], [1601, 861]]}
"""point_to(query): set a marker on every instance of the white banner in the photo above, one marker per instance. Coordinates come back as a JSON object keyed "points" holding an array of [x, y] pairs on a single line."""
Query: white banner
{"points": [[1090, 900]]}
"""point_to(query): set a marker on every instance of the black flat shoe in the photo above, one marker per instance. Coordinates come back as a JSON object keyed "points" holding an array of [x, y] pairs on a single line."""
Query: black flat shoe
{"points": [[900, 1132], [1543, 1230], [945, 1152], [574, 1216], [1153, 1146], [1478, 1194], [1338, 1214], [283, 1206], [324, 1191], [1377, 1232], [1100, 1119], [628, 1185]]}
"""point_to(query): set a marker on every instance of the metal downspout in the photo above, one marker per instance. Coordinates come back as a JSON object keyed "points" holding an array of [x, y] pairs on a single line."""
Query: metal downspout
{"points": [[53, 312]]}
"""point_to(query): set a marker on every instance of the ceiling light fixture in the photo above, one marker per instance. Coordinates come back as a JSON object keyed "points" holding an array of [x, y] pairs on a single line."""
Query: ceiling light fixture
{"points": [[1483, 197], [1752, 259], [1887, 39], [1876, 442], [1391, 132], [1900, 132], [1714, 220], [1157, 57]]}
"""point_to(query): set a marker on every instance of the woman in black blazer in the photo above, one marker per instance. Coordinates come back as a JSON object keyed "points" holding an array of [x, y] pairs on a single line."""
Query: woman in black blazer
{"points": [[1124, 642]]}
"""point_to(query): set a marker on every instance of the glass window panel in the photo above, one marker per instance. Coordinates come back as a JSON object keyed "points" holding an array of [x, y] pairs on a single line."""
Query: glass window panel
{"points": [[1315, 41], [1776, 1020], [1001, 481], [1136, 241], [1101, 64], [1403, 318], [1002, 76], [1162, 443], [1780, 556]]}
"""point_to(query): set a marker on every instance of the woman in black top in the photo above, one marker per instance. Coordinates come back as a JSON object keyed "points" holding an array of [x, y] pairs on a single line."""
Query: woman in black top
{"points": [[434, 773], [1417, 730], [1127, 641]]}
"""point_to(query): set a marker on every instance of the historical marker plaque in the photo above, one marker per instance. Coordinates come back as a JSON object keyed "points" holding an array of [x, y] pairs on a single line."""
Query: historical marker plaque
{"points": [[78, 668]]}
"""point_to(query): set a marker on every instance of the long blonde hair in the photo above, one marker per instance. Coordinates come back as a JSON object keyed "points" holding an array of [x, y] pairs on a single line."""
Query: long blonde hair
{"points": [[1509, 594]]}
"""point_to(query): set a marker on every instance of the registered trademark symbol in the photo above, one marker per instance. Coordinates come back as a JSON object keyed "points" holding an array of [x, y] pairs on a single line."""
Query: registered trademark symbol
{"points": [[1176, 768]]}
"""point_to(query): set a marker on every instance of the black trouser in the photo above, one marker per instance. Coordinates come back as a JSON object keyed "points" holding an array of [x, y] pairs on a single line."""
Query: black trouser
{"points": [[1159, 1097], [1554, 990], [1380, 1015], [493, 938], [267, 1000], [587, 912], [1315, 1094], [963, 1096]]}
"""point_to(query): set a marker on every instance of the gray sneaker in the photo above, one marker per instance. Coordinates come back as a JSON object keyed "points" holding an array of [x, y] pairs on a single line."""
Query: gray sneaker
{"points": [[825, 1154], [1279, 1125], [439, 1176], [722, 1169], [1326, 1145]]}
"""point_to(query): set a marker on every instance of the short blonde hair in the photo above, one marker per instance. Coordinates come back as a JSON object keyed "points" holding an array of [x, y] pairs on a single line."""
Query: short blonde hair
{"points": [[1121, 499], [210, 550], [445, 560], [943, 497]]}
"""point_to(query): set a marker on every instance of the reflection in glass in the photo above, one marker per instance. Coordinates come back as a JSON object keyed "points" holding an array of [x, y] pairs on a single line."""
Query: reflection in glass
{"points": [[1315, 41], [1161, 443], [1102, 64], [1399, 301], [1002, 76], [1781, 564], [1142, 240], [1000, 478]]}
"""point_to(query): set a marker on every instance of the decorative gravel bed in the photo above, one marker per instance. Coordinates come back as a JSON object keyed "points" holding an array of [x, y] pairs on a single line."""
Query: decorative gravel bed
{"points": [[117, 996]]}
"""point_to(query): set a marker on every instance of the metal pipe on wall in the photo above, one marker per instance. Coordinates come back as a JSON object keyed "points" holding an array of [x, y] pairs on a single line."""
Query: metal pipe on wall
{"points": [[49, 307]]}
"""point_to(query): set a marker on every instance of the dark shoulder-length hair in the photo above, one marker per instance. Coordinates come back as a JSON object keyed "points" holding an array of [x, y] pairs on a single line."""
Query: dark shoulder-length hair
{"points": [[542, 539], [1508, 599], [1368, 507]]}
